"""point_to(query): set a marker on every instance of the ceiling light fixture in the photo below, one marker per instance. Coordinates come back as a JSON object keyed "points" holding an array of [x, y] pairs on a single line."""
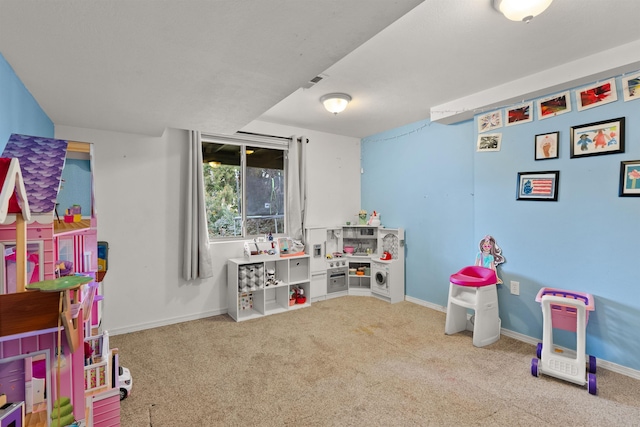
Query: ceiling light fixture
{"points": [[335, 102], [521, 10]]}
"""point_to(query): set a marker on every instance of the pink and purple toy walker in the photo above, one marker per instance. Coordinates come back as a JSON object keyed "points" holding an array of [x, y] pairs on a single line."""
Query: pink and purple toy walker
{"points": [[569, 311]]}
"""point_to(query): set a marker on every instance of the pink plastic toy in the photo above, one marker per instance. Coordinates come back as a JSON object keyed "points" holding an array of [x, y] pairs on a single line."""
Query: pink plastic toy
{"points": [[474, 275], [474, 288], [569, 311]]}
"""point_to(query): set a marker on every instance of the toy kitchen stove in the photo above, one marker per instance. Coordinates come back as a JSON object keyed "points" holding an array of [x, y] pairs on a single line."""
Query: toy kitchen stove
{"points": [[337, 270], [338, 260]]}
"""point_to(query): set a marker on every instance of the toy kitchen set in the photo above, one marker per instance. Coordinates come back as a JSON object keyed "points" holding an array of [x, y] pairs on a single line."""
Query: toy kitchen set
{"points": [[364, 260]]}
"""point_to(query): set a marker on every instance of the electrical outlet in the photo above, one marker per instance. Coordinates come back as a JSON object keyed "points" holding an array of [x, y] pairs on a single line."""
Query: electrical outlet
{"points": [[515, 287]]}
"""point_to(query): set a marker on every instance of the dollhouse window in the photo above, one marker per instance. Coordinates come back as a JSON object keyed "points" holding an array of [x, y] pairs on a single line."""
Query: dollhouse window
{"points": [[35, 272], [244, 187], [65, 249]]}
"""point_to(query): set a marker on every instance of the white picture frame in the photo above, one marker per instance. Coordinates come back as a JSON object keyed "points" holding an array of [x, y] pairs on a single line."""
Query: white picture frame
{"points": [[631, 87], [518, 114], [489, 121], [597, 94], [553, 105], [489, 142]]}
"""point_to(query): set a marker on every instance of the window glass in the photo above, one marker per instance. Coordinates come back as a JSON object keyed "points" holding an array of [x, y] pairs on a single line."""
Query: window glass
{"points": [[244, 189], [265, 191]]}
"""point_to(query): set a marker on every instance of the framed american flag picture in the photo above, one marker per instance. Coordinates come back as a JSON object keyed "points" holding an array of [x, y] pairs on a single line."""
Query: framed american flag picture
{"points": [[541, 186]]}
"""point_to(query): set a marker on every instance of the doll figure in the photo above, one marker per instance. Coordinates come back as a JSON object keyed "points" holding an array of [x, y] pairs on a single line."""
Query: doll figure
{"points": [[490, 255]]}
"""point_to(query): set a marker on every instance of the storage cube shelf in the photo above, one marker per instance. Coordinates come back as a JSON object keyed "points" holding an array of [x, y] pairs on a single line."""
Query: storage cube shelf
{"points": [[356, 281], [251, 295]]}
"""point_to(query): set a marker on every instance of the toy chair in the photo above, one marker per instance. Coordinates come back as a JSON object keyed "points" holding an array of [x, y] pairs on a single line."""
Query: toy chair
{"points": [[474, 288]]}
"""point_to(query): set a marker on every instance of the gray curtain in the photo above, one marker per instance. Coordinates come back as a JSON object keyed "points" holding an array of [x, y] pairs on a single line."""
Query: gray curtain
{"points": [[197, 260], [296, 187]]}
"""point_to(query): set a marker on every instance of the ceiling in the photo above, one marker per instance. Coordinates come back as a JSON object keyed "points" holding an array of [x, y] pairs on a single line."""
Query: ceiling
{"points": [[140, 66]]}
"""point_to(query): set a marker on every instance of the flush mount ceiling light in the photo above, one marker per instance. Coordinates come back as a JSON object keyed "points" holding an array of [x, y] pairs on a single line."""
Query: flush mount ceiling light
{"points": [[335, 102], [521, 10]]}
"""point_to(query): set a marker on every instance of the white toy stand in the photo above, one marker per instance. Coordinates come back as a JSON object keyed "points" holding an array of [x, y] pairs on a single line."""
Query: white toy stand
{"points": [[474, 288], [569, 311]]}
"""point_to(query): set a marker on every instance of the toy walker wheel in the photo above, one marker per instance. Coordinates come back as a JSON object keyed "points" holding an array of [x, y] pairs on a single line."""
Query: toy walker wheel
{"points": [[534, 367], [592, 365], [539, 350], [593, 389]]}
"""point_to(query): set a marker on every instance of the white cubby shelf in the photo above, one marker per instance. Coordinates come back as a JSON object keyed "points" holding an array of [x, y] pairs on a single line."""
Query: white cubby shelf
{"points": [[250, 294]]}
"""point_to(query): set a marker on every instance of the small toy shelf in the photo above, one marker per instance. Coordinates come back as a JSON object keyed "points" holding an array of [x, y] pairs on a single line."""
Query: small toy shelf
{"points": [[270, 286]]}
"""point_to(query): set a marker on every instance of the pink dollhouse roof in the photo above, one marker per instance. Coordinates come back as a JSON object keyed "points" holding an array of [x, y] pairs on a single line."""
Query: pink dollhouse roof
{"points": [[13, 197], [41, 160]]}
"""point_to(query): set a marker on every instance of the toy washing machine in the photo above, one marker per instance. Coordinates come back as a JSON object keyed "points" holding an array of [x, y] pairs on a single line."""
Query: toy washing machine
{"points": [[387, 280]]}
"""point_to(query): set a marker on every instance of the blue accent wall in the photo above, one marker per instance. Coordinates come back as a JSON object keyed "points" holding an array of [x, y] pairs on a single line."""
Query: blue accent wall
{"points": [[420, 178], [429, 179], [19, 111]]}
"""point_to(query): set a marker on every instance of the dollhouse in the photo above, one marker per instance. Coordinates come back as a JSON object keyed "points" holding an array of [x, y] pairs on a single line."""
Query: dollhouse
{"points": [[56, 367]]}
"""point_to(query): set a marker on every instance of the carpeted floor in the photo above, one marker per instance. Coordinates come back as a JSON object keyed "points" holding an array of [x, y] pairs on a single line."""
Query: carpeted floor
{"points": [[351, 361]]}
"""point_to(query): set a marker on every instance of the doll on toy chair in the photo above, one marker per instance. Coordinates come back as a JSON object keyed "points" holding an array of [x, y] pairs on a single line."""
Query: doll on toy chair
{"points": [[490, 255]]}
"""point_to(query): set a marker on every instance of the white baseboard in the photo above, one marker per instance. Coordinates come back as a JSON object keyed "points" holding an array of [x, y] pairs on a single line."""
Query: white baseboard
{"points": [[425, 304], [601, 363], [166, 322]]}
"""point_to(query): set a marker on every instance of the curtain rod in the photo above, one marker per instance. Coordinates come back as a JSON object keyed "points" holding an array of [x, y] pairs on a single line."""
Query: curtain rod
{"points": [[262, 134], [271, 136]]}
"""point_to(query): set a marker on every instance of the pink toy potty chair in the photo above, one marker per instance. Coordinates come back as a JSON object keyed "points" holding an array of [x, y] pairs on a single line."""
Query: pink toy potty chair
{"points": [[474, 288]]}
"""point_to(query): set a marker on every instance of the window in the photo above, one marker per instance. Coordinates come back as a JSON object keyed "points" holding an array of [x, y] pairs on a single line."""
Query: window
{"points": [[244, 185]]}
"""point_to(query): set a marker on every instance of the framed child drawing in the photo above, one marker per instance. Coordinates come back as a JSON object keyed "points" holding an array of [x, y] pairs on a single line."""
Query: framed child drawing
{"points": [[541, 186], [546, 146], [518, 114], [631, 87], [489, 142], [594, 139], [490, 121], [554, 105], [630, 178], [596, 95]]}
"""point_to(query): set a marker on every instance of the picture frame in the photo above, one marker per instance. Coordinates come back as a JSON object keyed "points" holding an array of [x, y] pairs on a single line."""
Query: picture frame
{"points": [[490, 121], [629, 178], [598, 94], [631, 87], [518, 114], [538, 186], [489, 142], [553, 105], [594, 139], [546, 146]]}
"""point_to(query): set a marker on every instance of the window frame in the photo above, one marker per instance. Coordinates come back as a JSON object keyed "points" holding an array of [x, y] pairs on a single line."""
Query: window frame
{"points": [[244, 140]]}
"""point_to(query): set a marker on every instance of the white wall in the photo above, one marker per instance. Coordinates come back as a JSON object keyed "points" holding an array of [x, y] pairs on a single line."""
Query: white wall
{"points": [[139, 182]]}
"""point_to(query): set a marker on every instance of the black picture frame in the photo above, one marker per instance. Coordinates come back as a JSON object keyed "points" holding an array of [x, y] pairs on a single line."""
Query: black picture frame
{"points": [[538, 186], [546, 145], [598, 138], [629, 178]]}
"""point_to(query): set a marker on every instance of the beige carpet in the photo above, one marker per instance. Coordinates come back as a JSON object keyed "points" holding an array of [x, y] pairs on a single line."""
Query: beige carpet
{"points": [[352, 361]]}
